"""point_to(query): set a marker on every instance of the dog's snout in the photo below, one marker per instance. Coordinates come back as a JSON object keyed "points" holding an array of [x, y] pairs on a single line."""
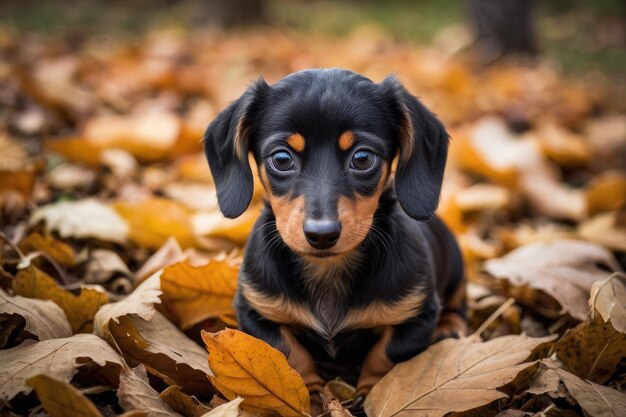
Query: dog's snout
{"points": [[322, 234]]}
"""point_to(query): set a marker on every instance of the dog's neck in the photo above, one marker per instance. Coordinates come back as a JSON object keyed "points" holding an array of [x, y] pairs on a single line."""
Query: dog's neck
{"points": [[327, 277]]}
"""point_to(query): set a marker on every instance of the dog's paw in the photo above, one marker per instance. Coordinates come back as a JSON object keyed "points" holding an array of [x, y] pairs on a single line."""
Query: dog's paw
{"points": [[450, 325]]}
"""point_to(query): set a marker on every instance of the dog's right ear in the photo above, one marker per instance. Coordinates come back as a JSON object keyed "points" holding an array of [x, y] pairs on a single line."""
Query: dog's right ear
{"points": [[226, 146]]}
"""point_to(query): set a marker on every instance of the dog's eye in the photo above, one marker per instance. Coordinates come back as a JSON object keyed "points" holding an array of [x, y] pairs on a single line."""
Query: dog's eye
{"points": [[362, 160], [281, 160]]}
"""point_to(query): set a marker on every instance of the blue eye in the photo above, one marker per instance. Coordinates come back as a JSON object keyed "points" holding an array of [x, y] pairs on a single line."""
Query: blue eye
{"points": [[281, 160], [362, 160]]}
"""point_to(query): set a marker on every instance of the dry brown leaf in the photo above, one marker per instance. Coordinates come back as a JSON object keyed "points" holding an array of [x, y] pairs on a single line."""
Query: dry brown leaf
{"points": [[44, 319], [168, 254], [606, 229], [187, 405], [154, 220], [87, 218], [135, 393], [195, 196], [248, 367], [466, 370], [230, 409], [195, 293], [17, 172], [104, 264], [76, 149], [80, 309], [61, 399], [56, 249], [592, 350], [566, 148], [608, 298], [596, 400], [144, 336], [563, 269], [58, 357]]}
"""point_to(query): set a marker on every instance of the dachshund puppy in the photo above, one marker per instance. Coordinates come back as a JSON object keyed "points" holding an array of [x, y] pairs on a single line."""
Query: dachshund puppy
{"points": [[346, 264]]}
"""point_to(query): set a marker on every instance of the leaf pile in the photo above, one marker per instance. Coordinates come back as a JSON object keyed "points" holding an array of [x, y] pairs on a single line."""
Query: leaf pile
{"points": [[117, 271]]}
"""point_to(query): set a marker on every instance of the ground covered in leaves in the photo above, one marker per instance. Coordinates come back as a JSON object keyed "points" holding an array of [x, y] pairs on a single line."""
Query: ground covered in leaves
{"points": [[118, 272]]}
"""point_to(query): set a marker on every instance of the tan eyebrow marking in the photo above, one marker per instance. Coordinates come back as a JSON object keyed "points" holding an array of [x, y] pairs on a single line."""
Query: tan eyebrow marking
{"points": [[346, 140], [296, 141]]}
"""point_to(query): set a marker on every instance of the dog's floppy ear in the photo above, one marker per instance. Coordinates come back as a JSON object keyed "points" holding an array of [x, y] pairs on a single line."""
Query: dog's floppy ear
{"points": [[226, 145], [423, 143]]}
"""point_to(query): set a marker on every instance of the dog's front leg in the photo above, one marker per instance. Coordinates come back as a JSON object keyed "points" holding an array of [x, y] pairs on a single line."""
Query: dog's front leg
{"points": [[280, 337], [398, 344]]}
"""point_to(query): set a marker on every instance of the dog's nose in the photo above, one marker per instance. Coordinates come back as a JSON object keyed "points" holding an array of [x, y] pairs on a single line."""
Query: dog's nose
{"points": [[322, 234]]}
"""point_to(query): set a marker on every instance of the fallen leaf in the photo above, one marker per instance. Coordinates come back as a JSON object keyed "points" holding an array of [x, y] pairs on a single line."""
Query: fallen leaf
{"points": [[144, 336], [75, 149], [167, 254], [563, 269], [250, 368], [195, 196], [80, 309], [58, 357], [566, 148], [195, 293], [87, 218], [135, 393], [230, 409], [187, 405], [483, 197], [592, 350], [61, 399], [17, 171], [595, 400], [148, 136], [606, 229], [154, 220], [608, 298], [69, 177], [44, 319], [464, 369], [58, 250], [103, 265], [606, 192], [215, 225]]}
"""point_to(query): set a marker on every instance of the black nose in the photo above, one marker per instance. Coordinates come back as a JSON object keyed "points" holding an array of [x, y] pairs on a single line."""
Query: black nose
{"points": [[322, 234]]}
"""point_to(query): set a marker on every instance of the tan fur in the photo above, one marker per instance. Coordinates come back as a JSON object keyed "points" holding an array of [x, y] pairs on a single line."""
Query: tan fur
{"points": [[296, 141], [241, 139], [346, 140], [407, 143], [379, 313]]}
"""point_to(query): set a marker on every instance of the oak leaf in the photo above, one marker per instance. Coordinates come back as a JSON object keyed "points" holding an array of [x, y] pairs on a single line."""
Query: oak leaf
{"points": [[195, 293], [61, 399], [43, 318], [464, 369], [80, 309], [58, 357], [250, 368], [154, 220], [563, 269]]}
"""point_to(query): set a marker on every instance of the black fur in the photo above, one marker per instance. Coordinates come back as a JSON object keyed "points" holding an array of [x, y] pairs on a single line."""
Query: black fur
{"points": [[405, 248]]}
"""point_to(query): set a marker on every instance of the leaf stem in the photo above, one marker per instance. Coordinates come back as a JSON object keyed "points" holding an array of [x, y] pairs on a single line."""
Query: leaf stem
{"points": [[508, 303]]}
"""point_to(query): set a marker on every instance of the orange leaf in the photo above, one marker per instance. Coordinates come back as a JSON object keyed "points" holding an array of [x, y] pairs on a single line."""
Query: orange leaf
{"points": [[154, 220], [195, 293], [250, 368]]}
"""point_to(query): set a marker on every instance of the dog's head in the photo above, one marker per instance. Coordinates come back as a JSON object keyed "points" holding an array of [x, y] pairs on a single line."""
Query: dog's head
{"points": [[324, 142]]}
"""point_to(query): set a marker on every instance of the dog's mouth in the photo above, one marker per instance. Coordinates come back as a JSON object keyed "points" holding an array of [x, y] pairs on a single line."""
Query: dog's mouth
{"points": [[323, 254]]}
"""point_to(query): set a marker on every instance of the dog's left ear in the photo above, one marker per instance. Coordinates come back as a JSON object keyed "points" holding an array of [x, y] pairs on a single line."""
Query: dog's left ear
{"points": [[226, 146], [423, 144]]}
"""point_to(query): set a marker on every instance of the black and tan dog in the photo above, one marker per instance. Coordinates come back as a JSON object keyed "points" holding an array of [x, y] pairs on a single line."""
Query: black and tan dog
{"points": [[344, 265]]}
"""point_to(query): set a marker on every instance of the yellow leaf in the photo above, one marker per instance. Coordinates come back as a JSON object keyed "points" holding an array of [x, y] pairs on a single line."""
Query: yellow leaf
{"points": [[606, 192], [215, 225], [154, 220], [58, 250], [61, 399], [195, 293], [250, 368], [79, 309], [76, 149]]}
